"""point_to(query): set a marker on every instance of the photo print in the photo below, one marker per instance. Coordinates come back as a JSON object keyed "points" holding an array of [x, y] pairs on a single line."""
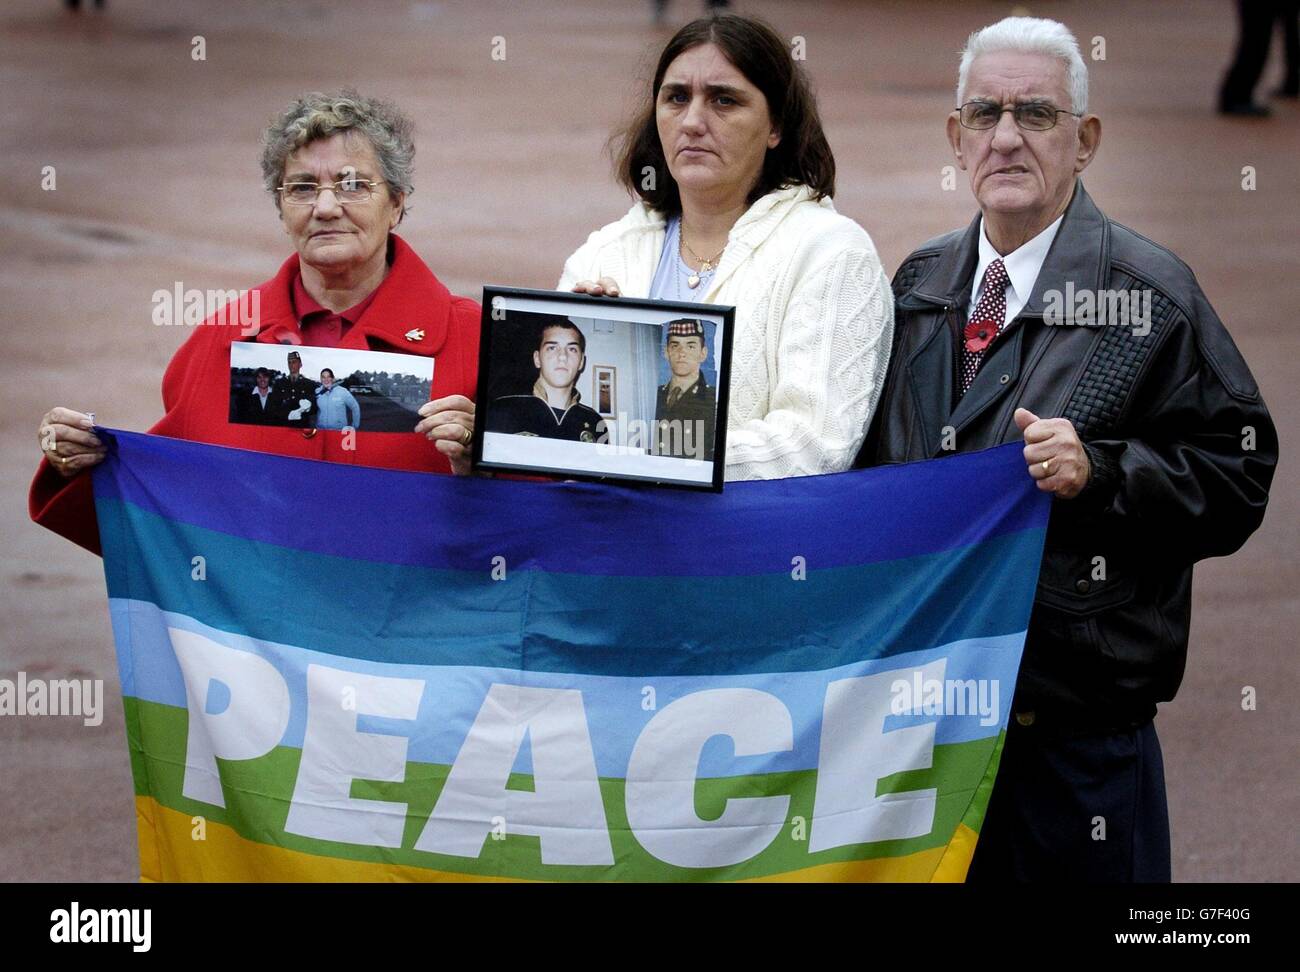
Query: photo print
{"points": [[603, 388], [327, 388]]}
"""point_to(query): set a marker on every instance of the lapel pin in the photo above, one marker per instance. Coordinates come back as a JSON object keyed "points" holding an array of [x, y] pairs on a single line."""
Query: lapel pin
{"points": [[415, 334]]}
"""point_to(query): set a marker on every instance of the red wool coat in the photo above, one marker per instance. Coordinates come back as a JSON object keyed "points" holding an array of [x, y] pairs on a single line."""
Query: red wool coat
{"points": [[196, 385]]}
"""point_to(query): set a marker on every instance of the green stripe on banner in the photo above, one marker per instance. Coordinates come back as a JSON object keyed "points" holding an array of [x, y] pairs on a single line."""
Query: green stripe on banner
{"points": [[258, 794]]}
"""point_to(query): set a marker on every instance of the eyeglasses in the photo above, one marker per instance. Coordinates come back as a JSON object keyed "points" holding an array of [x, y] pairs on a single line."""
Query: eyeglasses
{"points": [[1031, 116], [345, 191]]}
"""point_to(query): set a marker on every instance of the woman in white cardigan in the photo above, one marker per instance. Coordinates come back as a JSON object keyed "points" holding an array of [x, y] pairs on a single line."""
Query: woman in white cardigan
{"points": [[735, 177]]}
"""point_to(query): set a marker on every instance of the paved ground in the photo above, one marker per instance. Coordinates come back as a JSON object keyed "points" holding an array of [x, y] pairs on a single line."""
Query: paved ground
{"points": [[157, 182]]}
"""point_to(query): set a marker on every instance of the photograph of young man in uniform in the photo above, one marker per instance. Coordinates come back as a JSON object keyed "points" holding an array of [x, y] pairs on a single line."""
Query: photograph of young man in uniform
{"points": [[294, 396], [686, 406], [554, 409]]}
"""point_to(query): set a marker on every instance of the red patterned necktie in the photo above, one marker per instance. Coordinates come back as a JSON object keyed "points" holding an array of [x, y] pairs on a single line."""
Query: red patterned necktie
{"points": [[986, 322]]}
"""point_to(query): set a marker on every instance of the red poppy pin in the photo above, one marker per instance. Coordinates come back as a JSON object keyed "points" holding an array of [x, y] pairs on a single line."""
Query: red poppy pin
{"points": [[979, 335]]}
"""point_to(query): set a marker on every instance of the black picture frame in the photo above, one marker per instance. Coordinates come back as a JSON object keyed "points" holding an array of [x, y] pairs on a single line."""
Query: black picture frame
{"points": [[513, 319]]}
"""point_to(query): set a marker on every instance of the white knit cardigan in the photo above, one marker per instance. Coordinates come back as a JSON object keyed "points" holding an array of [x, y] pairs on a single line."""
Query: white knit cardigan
{"points": [[814, 320]]}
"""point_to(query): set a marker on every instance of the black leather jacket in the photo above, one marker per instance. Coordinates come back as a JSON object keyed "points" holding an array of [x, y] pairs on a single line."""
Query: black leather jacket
{"points": [[1181, 445]]}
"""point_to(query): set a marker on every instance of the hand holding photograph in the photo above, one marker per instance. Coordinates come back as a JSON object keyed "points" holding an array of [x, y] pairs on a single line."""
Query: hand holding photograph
{"points": [[327, 388]]}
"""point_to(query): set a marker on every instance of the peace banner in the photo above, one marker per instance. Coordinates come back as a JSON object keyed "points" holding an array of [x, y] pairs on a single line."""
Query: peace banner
{"points": [[333, 672]]}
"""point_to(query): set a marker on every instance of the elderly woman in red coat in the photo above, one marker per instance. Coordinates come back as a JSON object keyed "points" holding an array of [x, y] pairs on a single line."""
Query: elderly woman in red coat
{"points": [[339, 169]]}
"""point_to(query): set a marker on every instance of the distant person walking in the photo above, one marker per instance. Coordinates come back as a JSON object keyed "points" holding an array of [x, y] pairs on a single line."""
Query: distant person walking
{"points": [[661, 9], [1255, 35]]}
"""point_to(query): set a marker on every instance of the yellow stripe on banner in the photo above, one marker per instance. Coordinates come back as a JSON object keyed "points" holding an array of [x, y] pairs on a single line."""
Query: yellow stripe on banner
{"points": [[937, 865], [168, 853], [226, 856], [956, 860]]}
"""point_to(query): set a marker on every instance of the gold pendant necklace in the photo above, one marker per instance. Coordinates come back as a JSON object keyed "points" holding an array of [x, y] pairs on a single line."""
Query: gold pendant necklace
{"points": [[706, 266]]}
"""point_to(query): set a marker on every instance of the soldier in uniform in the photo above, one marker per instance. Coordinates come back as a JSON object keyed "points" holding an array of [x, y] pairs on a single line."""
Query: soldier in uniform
{"points": [[553, 409], [686, 406], [289, 395]]}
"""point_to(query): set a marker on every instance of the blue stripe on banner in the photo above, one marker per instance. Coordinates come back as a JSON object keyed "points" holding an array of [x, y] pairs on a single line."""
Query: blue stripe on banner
{"points": [[576, 528], [453, 694], [557, 622]]}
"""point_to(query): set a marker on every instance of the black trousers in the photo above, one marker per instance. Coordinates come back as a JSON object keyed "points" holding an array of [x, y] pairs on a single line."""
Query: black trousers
{"points": [[1255, 34], [1085, 808]]}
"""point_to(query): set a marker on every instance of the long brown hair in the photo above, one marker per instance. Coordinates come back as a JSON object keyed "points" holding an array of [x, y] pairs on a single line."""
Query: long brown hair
{"points": [[803, 156]]}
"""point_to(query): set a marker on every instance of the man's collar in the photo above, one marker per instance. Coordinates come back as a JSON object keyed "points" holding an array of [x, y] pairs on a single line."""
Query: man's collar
{"points": [[1024, 262], [699, 380], [1080, 253], [539, 390]]}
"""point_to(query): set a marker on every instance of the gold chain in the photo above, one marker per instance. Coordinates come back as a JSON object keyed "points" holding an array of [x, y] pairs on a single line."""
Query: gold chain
{"points": [[706, 265]]}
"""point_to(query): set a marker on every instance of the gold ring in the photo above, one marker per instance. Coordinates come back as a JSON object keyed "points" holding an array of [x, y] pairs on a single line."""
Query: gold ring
{"points": [[63, 460], [469, 435], [1047, 467]]}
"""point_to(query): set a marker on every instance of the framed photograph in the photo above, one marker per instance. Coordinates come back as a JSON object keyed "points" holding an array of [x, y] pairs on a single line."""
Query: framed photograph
{"points": [[606, 387], [653, 411]]}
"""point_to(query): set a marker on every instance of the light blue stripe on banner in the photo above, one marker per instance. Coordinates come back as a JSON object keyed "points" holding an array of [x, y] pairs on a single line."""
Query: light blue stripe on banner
{"points": [[614, 705], [565, 623]]}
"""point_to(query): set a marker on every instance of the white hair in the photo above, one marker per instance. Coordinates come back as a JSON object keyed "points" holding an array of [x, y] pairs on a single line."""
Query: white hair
{"points": [[1029, 35]]}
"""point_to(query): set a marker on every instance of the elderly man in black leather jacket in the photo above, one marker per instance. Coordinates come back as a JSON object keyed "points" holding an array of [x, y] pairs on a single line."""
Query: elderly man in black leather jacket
{"points": [[1046, 321]]}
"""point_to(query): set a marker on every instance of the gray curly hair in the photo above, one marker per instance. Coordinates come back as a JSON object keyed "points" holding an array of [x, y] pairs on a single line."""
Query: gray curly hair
{"points": [[317, 115]]}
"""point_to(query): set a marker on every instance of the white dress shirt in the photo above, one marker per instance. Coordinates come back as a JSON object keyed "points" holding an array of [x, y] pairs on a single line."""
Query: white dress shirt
{"points": [[1022, 265]]}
